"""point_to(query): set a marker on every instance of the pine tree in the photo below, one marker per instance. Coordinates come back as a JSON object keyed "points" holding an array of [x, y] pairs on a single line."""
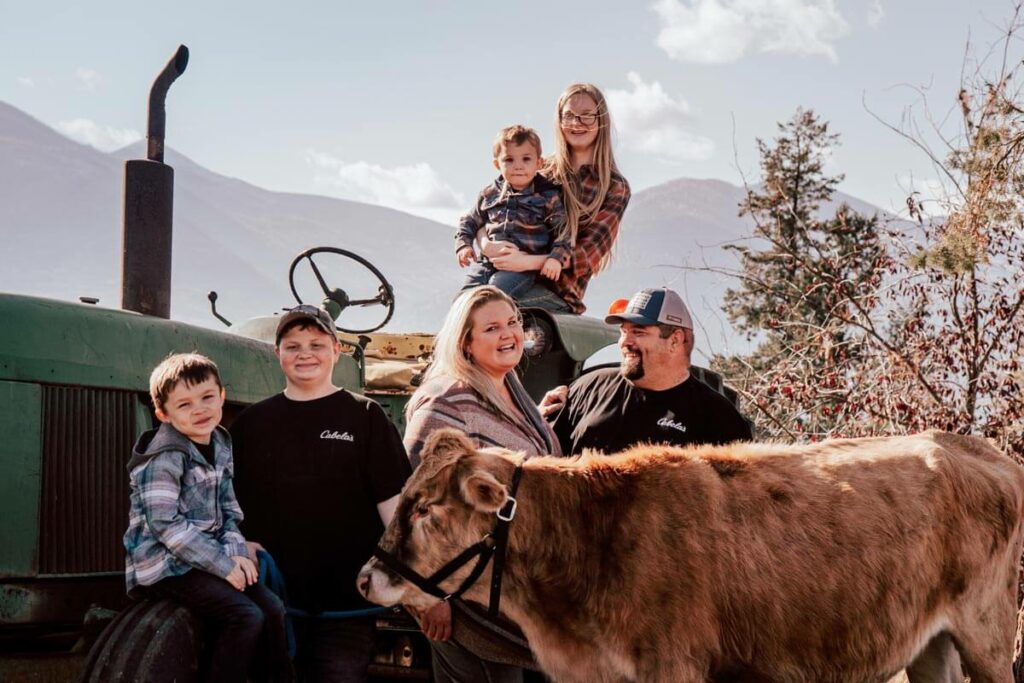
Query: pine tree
{"points": [[800, 276], [784, 281]]}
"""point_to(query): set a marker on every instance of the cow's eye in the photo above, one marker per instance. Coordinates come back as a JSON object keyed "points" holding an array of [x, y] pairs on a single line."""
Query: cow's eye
{"points": [[422, 510]]}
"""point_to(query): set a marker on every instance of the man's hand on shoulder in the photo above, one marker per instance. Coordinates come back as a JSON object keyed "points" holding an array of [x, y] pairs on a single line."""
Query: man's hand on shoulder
{"points": [[553, 401]]}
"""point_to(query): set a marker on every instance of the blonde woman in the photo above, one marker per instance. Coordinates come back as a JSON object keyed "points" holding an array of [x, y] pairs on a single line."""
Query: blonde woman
{"points": [[472, 385], [594, 193]]}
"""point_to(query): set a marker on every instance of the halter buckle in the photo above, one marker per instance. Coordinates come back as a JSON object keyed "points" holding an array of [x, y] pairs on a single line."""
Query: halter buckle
{"points": [[508, 511]]}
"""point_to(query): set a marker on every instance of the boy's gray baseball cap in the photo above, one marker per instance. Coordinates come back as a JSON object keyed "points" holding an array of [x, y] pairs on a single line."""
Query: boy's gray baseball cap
{"points": [[658, 306], [313, 314]]}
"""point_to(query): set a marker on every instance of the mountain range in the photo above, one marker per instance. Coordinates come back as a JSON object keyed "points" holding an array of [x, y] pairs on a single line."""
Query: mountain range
{"points": [[60, 220]]}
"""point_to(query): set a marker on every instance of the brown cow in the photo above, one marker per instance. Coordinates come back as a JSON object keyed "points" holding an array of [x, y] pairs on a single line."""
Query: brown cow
{"points": [[840, 561]]}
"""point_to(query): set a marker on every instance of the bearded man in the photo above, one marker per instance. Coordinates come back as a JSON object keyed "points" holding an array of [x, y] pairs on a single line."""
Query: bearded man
{"points": [[651, 397]]}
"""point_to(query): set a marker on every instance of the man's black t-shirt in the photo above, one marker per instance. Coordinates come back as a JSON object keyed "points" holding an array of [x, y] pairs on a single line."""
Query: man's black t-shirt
{"points": [[606, 412], [309, 475]]}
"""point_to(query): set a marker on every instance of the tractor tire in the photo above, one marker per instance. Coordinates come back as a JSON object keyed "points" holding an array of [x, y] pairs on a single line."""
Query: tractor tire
{"points": [[153, 641]]}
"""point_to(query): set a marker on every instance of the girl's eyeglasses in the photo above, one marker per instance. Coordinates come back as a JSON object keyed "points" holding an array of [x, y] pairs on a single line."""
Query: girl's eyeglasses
{"points": [[586, 119]]}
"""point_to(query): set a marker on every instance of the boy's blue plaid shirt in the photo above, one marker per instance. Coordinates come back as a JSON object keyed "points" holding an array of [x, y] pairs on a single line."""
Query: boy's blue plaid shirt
{"points": [[531, 218], [183, 513]]}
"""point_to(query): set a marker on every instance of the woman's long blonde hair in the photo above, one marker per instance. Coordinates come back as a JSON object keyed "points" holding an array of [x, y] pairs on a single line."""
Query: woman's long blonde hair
{"points": [[559, 165], [450, 357]]}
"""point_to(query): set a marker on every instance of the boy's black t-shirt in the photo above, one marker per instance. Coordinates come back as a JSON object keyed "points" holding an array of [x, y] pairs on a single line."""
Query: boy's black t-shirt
{"points": [[309, 475], [606, 412], [205, 450]]}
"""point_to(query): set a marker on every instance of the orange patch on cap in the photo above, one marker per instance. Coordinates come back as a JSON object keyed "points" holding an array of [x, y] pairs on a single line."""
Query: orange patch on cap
{"points": [[618, 306]]}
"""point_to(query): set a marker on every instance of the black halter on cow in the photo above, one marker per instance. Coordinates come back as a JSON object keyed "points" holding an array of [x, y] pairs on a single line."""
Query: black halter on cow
{"points": [[492, 546]]}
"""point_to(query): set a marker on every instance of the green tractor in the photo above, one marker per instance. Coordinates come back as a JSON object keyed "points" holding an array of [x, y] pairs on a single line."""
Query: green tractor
{"points": [[74, 397]]}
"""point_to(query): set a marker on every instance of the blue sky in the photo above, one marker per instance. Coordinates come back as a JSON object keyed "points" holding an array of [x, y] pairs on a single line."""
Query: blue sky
{"points": [[396, 103]]}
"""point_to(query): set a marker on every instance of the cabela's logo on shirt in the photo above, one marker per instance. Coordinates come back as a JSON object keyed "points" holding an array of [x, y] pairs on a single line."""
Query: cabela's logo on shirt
{"points": [[666, 422], [337, 436]]}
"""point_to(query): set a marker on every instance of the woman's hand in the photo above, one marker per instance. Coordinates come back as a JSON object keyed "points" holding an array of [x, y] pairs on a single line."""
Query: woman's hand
{"points": [[492, 248], [436, 622], [488, 247], [511, 259]]}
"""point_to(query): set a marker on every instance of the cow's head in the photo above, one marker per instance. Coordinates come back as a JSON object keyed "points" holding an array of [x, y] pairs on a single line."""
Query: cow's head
{"points": [[447, 505]]}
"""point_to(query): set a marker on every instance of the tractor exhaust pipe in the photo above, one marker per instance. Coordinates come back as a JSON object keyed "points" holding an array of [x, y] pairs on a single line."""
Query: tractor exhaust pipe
{"points": [[148, 204]]}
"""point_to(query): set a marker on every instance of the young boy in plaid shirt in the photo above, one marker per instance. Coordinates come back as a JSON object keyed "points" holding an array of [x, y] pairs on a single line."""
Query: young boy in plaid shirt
{"points": [[521, 207], [183, 540]]}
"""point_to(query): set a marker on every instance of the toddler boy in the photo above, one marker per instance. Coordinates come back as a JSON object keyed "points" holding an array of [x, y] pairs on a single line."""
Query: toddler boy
{"points": [[520, 207], [183, 540]]}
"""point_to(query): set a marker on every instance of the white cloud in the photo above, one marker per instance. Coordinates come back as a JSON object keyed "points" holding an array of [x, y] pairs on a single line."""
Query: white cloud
{"points": [[650, 120], [103, 138], [723, 31], [416, 188], [89, 78], [875, 13], [26, 81]]}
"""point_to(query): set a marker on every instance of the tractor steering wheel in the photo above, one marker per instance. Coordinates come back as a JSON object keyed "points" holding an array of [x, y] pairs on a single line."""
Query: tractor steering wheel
{"points": [[385, 293]]}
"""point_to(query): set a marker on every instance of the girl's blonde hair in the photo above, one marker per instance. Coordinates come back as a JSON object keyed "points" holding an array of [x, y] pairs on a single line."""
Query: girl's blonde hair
{"points": [[559, 165], [450, 356]]}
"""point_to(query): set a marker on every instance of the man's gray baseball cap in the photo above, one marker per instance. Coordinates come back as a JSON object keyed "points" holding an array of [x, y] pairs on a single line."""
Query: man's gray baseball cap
{"points": [[306, 312], [660, 306]]}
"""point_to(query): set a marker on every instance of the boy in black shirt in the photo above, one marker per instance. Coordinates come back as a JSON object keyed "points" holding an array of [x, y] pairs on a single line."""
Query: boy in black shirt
{"points": [[320, 470], [651, 397]]}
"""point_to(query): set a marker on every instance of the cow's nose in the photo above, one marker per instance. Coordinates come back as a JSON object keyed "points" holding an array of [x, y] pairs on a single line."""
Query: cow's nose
{"points": [[363, 583]]}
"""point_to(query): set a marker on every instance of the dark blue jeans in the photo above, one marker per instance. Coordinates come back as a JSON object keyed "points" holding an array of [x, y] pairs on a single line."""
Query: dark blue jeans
{"points": [[453, 663], [333, 651], [539, 296], [514, 284], [248, 628]]}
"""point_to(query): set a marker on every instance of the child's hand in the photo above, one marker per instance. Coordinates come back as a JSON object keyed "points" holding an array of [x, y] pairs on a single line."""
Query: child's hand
{"points": [[466, 256], [551, 269], [236, 578], [244, 574]]}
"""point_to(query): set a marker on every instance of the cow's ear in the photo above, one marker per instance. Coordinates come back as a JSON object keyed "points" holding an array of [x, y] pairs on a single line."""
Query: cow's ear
{"points": [[447, 442], [483, 492]]}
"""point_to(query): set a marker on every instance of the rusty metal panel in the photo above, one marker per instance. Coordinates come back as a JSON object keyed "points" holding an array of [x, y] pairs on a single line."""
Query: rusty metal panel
{"points": [[87, 439]]}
